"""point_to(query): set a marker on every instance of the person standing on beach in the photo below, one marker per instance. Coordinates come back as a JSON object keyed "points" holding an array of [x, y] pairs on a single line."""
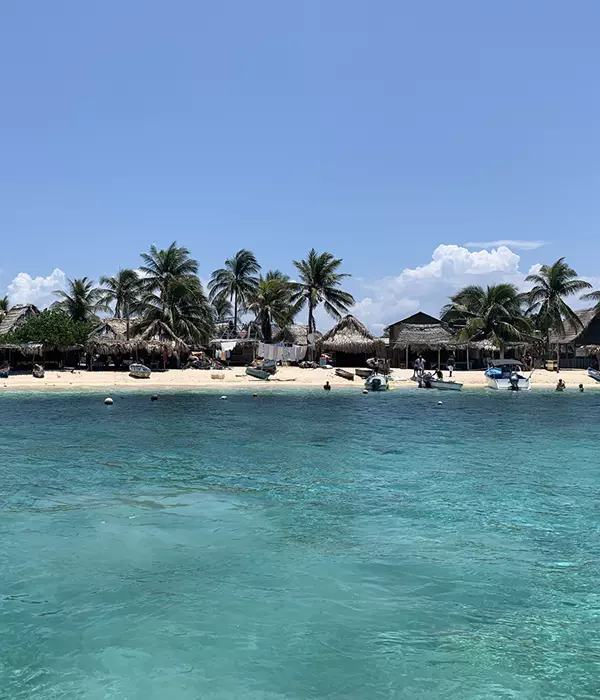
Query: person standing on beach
{"points": [[450, 365], [420, 365]]}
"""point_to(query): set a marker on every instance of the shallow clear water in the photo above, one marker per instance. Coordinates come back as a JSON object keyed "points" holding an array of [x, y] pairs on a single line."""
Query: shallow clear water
{"points": [[300, 546]]}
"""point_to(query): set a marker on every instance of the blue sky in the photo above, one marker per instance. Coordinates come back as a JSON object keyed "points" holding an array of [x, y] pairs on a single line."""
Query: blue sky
{"points": [[379, 131]]}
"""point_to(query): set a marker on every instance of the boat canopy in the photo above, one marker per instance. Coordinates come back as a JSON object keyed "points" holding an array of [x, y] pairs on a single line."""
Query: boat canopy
{"points": [[505, 363]]}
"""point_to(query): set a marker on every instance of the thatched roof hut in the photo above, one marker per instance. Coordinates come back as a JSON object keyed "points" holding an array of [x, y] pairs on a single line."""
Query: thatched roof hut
{"points": [[110, 337], [16, 316], [423, 337], [586, 335], [296, 334], [352, 337]]}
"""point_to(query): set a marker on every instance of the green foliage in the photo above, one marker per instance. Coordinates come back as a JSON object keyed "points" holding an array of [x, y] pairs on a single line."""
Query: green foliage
{"points": [[272, 302], [546, 298], [83, 301], [319, 283], [493, 313], [236, 281], [51, 327], [172, 296]]}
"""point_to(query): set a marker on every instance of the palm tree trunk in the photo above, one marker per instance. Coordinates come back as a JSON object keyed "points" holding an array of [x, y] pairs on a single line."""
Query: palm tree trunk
{"points": [[235, 314], [127, 321], [311, 325]]}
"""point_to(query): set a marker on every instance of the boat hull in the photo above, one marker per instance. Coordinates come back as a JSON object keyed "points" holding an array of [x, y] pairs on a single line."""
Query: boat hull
{"points": [[377, 382], [344, 374], [594, 374], [139, 371], [257, 373], [446, 386], [503, 384]]}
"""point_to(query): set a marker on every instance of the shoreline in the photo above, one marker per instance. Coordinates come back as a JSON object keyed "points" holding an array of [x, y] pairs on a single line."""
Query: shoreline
{"points": [[235, 378]]}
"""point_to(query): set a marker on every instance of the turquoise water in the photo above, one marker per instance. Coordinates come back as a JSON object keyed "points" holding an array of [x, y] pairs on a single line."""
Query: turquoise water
{"points": [[300, 546]]}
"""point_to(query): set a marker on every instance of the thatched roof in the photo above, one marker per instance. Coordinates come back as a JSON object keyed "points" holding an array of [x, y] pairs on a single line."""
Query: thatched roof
{"points": [[110, 336], [16, 316], [423, 336], [351, 336], [24, 348], [586, 334], [296, 334]]}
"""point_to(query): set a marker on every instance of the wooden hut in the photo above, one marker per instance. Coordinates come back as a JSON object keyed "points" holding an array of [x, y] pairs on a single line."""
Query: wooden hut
{"points": [[351, 343]]}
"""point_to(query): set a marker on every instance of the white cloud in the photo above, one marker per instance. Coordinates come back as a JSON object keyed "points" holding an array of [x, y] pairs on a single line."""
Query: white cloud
{"points": [[517, 244], [25, 289], [428, 287]]}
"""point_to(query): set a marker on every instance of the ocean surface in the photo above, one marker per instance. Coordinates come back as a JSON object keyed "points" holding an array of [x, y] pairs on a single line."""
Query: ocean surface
{"points": [[300, 546]]}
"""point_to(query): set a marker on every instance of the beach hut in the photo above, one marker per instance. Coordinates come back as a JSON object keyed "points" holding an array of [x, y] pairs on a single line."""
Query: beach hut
{"points": [[351, 343], [154, 345], [419, 334], [579, 347], [16, 316]]}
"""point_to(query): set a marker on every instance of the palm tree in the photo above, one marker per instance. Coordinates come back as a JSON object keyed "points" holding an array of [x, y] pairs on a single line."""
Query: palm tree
{"points": [[320, 282], [123, 290], [236, 281], [546, 298], [172, 295], [3, 307], [162, 265], [222, 308], [272, 303], [493, 314], [182, 306], [83, 301]]}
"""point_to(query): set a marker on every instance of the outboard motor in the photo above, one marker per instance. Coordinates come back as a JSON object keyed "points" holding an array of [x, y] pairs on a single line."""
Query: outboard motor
{"points": [[375, 383], [514, 381]]}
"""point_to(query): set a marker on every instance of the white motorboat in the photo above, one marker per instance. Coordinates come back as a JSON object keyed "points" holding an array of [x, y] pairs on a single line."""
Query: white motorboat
{"points": [[139, 371], [377, 382], [594, 374], [505, 375]]}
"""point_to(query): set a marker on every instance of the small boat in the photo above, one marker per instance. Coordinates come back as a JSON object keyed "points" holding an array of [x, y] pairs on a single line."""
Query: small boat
{"points": [[139, 371], [363, 373], [428, 381], [4, 373], [258, 373], [269, 366], [377, 382], [39, 372], [505, 375], [594, 374], [344, 373]]}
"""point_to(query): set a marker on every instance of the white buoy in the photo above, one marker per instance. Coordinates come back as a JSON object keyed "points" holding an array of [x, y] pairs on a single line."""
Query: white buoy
{"points": [[365, 391], [440, 403], [223, 398], [108, 401]]}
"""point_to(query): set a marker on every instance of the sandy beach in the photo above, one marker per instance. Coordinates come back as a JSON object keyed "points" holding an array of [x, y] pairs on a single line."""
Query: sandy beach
{"points": [[286, 377]]}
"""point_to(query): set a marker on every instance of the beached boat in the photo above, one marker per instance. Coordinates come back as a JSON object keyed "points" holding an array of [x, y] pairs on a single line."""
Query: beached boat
{"points": [[39, 372], [363, 373], [377, 382], [344, 373], [4, 374], [258, 373], [139, 371], [429, 381], [505, 376], [594, 374]]}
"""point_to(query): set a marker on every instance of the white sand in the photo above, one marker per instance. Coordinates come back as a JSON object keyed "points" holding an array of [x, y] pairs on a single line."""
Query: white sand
{"points": [[235, 377]]}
